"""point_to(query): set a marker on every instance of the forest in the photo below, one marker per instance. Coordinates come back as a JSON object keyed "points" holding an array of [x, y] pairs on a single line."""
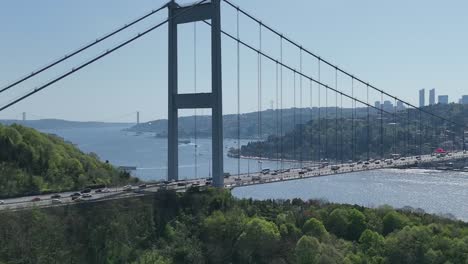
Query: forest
{"points": [[211, 226], [32, 162]]}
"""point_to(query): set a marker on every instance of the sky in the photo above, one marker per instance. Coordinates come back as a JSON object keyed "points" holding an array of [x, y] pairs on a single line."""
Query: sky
{"points": [[398, 46]]}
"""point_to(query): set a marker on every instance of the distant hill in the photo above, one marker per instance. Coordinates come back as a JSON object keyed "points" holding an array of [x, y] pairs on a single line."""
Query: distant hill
{"points": [[60, 124], [32, 162], [270, 120]]}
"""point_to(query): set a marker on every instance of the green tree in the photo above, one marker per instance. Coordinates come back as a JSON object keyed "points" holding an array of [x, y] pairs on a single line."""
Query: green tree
{"points": [[307, 250], [259, 241], [393, 221], [315, 228]]}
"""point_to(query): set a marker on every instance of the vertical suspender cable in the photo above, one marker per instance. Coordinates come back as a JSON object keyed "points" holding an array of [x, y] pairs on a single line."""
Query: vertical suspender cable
{"points": [[341, 129], [407, 130], [395, 128], [420, 133], [277, 119], [336, 116], [326, 124], [300, 109], [238, 98], [294, 117], [311, 122], [195, 88], [353, 106], [368, 124], [381, 127], [260, 94], [319, 116], [281, 103]]}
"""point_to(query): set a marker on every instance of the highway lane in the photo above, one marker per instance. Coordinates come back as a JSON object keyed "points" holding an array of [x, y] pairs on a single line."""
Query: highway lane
{"points": [[44, 201]]}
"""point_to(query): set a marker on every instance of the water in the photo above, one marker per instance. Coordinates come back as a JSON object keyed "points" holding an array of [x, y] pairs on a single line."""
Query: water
{"points": [[433, 191]]}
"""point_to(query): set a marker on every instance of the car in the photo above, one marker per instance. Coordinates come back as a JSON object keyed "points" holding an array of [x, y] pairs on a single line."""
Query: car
{"points": [[2, 202], [87, 190], [87, 195], [366, 163], [335, 167], [56, 196], [56, 201], [237, 179], [35, 199], [418, 157], [402, 159], [181, 184], [142, 186], [105, 190], [301, 172], [359, 163], [351, 165], [127, 188], [77, 194], [77, 199]]}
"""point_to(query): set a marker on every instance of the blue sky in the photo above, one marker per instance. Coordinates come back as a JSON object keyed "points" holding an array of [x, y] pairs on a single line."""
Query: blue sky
{"points": [[399, 46]]}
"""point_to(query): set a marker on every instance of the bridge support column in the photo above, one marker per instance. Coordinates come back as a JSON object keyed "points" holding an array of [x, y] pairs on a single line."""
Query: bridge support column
{"points": [[188, 14]]}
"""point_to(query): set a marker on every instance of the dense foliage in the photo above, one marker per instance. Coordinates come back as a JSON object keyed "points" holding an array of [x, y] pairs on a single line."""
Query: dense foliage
{"points": [[376, 135], [32, 162], [213, 227]]}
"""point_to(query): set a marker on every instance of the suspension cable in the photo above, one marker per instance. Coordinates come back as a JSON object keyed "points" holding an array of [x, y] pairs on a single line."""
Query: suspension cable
{"points": [[368, 125], [277, 118], [381, 127], [281, 111], [300, 109], [260, 92], [319, 115], [85, 47], [311, 122], [353, 106], [195, 88], [91, 61], [336, 117], [294, 117], [341, 129], [238, 98]]}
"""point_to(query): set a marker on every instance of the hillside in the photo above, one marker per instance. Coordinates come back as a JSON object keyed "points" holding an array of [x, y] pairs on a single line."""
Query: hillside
{"points": [[304, 142], [214, 227], [60, 124], [270, 120], [32, 162]]}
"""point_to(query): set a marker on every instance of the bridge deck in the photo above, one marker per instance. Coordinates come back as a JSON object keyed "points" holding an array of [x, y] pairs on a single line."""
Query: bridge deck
{"points": [[23, 203]]}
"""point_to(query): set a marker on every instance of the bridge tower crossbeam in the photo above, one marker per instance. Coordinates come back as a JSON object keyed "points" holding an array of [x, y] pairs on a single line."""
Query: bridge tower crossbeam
{"points": [[213, 100]]}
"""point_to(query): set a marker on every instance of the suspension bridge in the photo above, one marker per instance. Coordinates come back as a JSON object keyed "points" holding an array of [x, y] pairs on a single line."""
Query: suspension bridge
{"points": [[336, 128]]}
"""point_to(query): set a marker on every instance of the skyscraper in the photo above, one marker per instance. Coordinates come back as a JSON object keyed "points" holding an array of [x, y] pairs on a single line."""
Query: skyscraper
{"points": [[464, 99], [400, 106], [443, 99], [422, 94], [432, 97]]}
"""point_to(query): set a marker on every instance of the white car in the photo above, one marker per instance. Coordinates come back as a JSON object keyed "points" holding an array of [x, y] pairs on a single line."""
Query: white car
{"points": [[56, 201], [127, 188], [87, 195], [105, 190], [2, 202]]}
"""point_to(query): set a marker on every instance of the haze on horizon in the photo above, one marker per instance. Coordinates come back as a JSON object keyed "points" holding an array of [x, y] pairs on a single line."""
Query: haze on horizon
{"points": [[398, 46]]}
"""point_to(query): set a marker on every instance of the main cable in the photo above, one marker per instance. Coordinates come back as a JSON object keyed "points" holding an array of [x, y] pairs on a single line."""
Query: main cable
{"points": [[87, 46], [330, 64], [89, 62]]}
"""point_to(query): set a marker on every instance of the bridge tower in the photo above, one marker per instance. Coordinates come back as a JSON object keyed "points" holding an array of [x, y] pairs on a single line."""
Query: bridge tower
{"points": [[188, 14]]}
